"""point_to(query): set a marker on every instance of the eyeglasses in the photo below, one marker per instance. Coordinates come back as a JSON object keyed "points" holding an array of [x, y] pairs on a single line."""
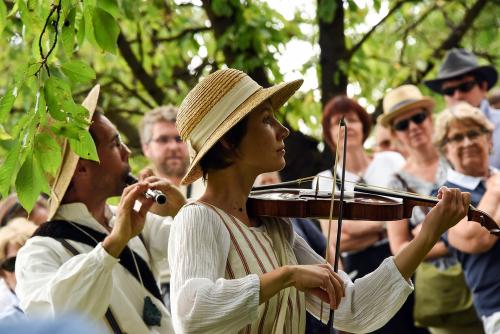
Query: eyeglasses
{"points": [[162, 140], [9, 264], [464, 87], [403, 124], [459, 137]]}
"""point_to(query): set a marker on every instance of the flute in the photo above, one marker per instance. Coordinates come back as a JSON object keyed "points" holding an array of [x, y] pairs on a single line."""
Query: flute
{"points": [[155, 195]]}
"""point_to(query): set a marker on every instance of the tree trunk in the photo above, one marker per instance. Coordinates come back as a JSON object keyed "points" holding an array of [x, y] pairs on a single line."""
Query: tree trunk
{"points": [[220, 25], [334, 54]]}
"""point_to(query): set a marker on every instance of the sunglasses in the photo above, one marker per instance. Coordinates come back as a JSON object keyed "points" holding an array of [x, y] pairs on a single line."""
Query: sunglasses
{"points": [[460, 137], [464, 87], [403, 124], [9, 264]]}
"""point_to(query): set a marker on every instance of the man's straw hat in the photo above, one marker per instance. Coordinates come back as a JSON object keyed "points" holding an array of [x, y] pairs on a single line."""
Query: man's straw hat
{"points": [[402, 99], [60, 183], [216, 104]]}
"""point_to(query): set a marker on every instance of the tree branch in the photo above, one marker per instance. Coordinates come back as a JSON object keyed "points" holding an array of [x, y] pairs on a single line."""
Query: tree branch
{"points": [[138, 70], [182, 34], [356, 46], [133, 92], [452, 41], [54, 9]]}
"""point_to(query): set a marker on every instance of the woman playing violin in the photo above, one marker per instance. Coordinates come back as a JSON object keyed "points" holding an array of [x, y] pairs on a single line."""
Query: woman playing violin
{"points": [[464, 136], [232, 272]]}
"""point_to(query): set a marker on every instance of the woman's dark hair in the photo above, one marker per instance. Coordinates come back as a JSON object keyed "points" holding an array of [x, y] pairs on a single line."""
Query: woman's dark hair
{"points": [[342, 105], [220, 156]]}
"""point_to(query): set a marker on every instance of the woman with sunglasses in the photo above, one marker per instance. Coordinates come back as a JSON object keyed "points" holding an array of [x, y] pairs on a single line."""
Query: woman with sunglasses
{"points": [[409, 116], [232, 271], [464, 136], [12, 237]]}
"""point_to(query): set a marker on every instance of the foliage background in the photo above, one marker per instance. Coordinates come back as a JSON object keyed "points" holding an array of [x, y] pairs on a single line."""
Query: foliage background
{"points": [[148, 53]]}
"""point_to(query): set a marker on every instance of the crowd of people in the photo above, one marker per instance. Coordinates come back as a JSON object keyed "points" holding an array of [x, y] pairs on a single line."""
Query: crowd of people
{"points": [[202, 263]]}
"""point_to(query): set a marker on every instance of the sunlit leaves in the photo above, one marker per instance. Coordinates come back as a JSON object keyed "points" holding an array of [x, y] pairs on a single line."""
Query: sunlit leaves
{"points": [[78, 71], [68, 32], [106, 29], [57, 92], [8, 168], [84, 146], [110, 6], [7, 101], [30, 181], [3, 16], [48, 152]]}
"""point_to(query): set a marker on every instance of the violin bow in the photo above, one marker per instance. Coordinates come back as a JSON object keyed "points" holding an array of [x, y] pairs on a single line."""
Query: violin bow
{"points": [[342, 124]]}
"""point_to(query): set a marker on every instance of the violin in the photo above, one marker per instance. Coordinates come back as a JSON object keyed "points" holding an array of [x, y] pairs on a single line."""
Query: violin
{"points": [[363, 203]]}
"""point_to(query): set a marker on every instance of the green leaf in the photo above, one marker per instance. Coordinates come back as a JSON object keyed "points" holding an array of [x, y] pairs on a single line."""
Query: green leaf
{"points": [[8, 168], [41, 108], [30, 182], [130, 8], [4, 135], [3, 16], [84, 146], [7, 102], [80, 34], [106, 30], [57, 92], [222, 8], [326, 10], [78, 71], [110, 6], [48, 152], [66, 130], [68, 32]]}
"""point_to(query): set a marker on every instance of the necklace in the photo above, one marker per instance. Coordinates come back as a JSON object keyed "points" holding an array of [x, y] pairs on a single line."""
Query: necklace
{"points": [[150, 312]]}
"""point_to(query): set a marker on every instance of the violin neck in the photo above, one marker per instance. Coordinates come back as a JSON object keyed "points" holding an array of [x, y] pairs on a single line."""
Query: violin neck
{"points": [[415, 199]]}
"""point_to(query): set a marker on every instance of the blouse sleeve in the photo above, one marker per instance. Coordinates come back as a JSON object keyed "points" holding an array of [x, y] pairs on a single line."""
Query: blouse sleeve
{"points": [[369, 302], [48, 284], [156, 234], [202, 301]]}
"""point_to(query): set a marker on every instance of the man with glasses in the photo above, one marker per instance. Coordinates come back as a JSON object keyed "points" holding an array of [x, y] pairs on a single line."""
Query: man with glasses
{"points": [[163, 146], [461, 78]]}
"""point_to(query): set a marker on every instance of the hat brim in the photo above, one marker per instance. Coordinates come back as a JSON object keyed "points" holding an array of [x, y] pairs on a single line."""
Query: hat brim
{"points": [[69, 160], [426, 103], [486, 71], [278, 95]]}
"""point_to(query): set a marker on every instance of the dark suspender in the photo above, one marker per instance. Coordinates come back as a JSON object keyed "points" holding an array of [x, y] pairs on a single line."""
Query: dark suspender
{"points": [[109, 314]]}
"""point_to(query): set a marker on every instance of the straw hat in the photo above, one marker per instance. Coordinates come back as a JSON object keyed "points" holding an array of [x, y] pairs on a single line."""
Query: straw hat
{"points": [[458, 62], [402, 99], [216, 104], [60, 183]]}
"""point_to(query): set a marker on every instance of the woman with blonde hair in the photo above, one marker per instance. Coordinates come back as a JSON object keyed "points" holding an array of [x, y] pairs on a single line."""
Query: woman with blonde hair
{"points": [[464, 136], [233, 272]]}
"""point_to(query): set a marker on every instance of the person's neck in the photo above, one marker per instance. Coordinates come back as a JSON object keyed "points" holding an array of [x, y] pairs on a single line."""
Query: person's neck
{"points": [[357, 160], [96, 205], [98, 211], [228, 190], [423, 157]]}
